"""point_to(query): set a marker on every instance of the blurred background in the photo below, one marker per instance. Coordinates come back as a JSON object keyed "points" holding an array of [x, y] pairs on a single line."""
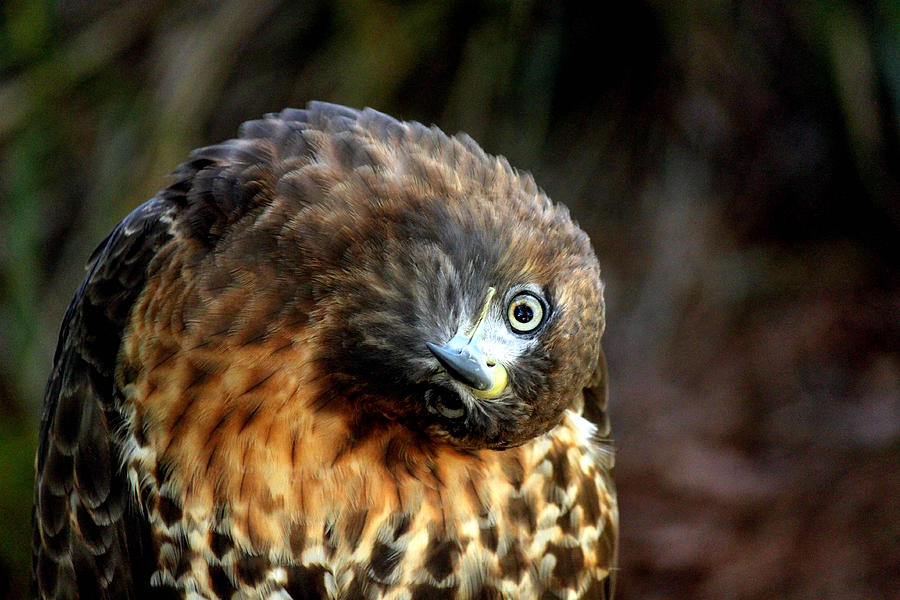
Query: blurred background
{"points": [[737, 165]]}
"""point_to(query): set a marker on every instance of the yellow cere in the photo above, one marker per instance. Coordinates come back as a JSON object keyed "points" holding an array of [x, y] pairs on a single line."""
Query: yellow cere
{"points": [[500, 379]]}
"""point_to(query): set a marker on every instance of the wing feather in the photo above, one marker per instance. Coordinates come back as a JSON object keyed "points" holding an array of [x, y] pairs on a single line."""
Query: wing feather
{"points": [[89, 537], [596, 399]]}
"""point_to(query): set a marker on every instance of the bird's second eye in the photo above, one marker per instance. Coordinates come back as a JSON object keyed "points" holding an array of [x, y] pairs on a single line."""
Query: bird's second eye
{"points": [[525, 313]]}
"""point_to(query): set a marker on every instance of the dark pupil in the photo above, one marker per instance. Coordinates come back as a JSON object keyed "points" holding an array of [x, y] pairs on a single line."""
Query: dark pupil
{"points": [[451, 401], [523, 313]]}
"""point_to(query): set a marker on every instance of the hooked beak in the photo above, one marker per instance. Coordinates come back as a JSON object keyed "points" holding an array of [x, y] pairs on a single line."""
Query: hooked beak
{"points": [[465, 361]]}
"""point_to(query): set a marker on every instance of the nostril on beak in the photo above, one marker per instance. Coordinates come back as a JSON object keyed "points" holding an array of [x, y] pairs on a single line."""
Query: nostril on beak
{"points": [[462, 366]]}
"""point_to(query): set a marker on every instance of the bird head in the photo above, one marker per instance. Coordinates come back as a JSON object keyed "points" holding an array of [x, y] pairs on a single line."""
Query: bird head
{"points": [[453, 296]]}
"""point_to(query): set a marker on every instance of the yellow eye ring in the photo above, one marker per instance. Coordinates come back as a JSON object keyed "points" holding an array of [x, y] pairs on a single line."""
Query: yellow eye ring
{"points": [[525, 313]]}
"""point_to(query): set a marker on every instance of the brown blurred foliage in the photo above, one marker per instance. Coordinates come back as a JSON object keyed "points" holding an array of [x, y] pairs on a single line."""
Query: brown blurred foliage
{"points": [[737, 165]]}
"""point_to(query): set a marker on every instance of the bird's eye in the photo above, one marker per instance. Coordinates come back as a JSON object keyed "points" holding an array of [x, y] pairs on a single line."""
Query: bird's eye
{"points": [[446, 403], [525, 313]]}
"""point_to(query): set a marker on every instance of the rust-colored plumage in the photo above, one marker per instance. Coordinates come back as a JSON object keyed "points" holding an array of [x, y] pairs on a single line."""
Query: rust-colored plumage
{"points": [[340, 356]]}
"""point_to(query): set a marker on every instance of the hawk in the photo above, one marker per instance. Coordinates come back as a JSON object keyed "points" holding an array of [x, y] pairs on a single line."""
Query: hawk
{"points": [[341, 356]]}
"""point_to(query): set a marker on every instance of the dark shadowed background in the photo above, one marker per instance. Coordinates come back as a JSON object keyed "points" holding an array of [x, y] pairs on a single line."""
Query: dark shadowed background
{"points": [[737, 165]]}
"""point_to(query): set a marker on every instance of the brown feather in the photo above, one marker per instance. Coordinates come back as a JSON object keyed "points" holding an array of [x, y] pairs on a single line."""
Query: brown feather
{"points": [[267, 395]]}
